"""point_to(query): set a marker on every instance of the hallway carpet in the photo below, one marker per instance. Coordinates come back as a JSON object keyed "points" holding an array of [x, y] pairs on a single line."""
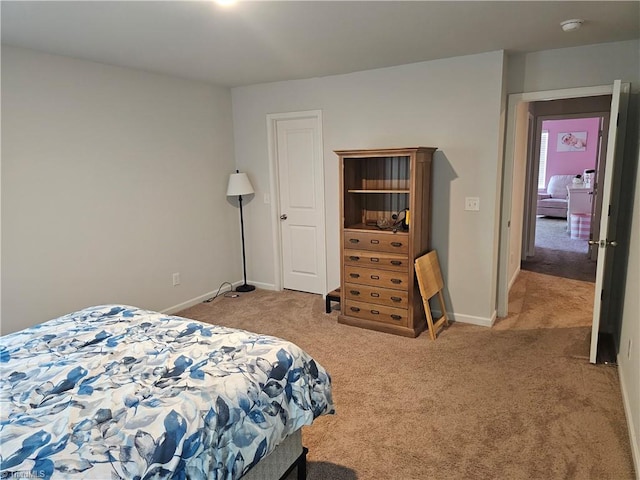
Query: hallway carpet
{"points": [[557, 254], [552, 233], [515, 401]]}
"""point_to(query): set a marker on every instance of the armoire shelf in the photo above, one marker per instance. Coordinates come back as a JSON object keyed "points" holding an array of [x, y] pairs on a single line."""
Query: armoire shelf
{"points": [[378, 188], [378, 191], [375, 228]]}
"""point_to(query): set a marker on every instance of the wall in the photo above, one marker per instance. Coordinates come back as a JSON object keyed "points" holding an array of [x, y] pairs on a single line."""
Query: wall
{"points": [[574, 161], [112, 179], [625, 311], [629, 355], [590, 66], [586, 66], [429, 104]]}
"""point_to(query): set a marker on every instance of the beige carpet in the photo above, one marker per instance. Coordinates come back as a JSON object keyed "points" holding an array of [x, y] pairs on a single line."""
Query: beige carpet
{"points": [[538, 300], [517, 401]]}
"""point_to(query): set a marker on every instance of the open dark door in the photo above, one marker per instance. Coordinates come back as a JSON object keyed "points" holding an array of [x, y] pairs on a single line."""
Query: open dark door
{"points": [[608, 219]]}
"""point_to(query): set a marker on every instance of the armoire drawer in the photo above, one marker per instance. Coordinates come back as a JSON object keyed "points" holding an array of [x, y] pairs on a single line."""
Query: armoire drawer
{"points": [[377, 313], [376, 278], [383, 260], [378, 241], [379, 296]]}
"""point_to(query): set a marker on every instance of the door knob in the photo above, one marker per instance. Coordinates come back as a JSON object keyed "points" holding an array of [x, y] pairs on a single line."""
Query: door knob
{"points": [[604, 243], [283, 216]]}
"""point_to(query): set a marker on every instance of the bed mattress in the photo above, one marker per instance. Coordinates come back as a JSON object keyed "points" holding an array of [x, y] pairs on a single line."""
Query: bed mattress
{"points": [[115, 392]]}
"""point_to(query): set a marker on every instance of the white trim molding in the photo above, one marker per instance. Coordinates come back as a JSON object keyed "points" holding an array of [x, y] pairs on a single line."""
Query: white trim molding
{"points": [[470, 319], [507, 174], [633, 435], [272, 119]]}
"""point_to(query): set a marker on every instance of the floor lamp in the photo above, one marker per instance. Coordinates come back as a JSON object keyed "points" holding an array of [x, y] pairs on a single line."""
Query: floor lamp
{"points": [[239, 185]]}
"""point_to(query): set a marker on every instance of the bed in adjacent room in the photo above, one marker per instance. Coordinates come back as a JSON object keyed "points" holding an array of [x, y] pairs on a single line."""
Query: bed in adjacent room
{"points": [[114, 392]]}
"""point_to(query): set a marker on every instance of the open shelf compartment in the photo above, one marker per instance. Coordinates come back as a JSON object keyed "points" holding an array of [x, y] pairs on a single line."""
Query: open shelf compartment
{"points": [[375, 189]]}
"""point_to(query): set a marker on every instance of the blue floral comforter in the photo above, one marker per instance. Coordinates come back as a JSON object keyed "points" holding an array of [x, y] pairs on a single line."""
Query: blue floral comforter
{"points": [[115, 392]]}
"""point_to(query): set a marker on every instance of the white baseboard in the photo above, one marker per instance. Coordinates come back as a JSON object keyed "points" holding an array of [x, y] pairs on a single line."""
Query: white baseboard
{"points": [[633, 435], [481, 321], [263, 286], [473, 320], [194, 301], [200, 299], [513, 279]]}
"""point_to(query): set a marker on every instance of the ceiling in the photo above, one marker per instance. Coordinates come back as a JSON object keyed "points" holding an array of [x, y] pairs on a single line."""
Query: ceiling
{"points": [[265, 41]]}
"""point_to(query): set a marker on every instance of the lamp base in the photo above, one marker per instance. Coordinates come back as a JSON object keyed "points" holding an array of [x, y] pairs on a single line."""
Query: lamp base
{"points": [[245, 288]]}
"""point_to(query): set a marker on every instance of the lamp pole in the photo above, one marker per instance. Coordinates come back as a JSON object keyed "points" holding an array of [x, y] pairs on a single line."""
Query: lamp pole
{"points": [[245, 287]]}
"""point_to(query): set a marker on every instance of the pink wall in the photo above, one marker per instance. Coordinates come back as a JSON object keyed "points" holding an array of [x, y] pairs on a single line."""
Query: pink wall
{"points": [[571, 162]]}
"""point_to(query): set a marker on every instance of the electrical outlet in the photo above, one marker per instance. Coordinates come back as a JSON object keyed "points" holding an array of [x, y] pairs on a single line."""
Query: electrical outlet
{"points": [[472, 204], [176, 279]]}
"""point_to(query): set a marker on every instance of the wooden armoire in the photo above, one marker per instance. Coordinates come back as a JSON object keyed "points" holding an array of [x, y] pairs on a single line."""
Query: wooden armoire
{"points": [[385, 203]]}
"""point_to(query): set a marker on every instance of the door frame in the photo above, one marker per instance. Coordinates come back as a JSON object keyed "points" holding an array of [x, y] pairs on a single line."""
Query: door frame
{"points": [[534, 136], [274, 184], [506, 206]]}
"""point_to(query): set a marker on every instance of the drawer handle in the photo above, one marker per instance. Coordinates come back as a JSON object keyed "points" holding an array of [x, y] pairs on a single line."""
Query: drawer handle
{"points": [[397, 281], [354, 258], [355, 309], [396, 299], [375, 242], [396, 317], [396, 244], [355, 292], [396, 262], [374, 259], [354, 240], [354, 275], [375, 277], [375, 312], [375, 295]]}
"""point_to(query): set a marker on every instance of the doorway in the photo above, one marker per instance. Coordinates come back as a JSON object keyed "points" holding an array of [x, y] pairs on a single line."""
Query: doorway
{"points": [[511, 237], [562, 178], [297, 183]]}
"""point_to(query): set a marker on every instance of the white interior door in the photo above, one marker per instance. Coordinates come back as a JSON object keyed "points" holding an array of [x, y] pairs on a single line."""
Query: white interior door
{"points": [[596, 200], [619, 99], [300, 179]]}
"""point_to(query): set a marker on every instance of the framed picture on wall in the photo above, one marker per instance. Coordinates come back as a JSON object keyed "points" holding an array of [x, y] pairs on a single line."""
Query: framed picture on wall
{"points": [[572, 142]]}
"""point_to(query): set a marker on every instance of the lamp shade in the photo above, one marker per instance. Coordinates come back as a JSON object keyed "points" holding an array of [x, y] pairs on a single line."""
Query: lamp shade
{"points": [[239, 184]]}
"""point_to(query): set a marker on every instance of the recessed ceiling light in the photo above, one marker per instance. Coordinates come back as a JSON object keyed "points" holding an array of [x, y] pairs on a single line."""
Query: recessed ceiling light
{"points": [[571, 25], [225, 3]]}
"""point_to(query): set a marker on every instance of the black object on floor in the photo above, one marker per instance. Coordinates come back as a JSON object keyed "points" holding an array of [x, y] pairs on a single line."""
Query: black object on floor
{"points": [[606, 350], [333, 296]]}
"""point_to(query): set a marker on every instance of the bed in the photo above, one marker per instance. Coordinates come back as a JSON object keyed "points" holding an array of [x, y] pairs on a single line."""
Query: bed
{"points": [[117, 392]]}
